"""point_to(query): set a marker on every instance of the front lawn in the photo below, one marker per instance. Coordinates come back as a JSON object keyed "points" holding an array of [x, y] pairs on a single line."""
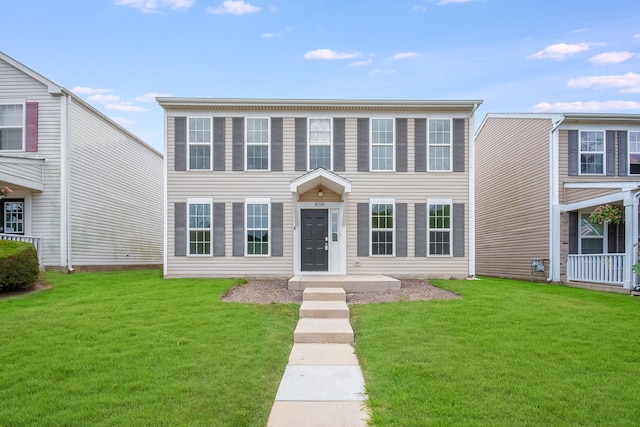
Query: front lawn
{"points": [[509, 353], [129, 348]]}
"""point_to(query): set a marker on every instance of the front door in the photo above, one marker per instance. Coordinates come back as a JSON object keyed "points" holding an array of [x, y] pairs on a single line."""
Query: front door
{"points": [[12, 220], [314, 240]]}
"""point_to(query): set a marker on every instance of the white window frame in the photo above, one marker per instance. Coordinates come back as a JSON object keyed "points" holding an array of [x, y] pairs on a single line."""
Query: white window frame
{"points": [[23, 126], [432, 202], [199, 144], [324, 144], [382, 201], [372, 144], [603, 152], [200, 201], [257, 201], [629, 152], [433, 144], [257, 144], [605, 243]]}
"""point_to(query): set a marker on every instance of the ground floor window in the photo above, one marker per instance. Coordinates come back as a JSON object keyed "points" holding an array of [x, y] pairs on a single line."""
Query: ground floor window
{"points": [[200, 228], [13, 216], [382, 212], [257, 227], [591, 236], [439, 228]]}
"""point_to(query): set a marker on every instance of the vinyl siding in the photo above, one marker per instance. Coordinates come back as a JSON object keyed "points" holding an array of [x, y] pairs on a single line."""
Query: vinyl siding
{"points": [[229, 187], [512, 195]]}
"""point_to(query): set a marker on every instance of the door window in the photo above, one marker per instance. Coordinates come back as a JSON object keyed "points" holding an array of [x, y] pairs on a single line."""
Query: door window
{"points": [[13, 216]]}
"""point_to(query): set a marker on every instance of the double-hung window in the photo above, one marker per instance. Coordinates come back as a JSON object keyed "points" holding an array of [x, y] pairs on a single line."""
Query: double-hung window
{"points": [[592, 152], [634, 153], [257, 143], [591, 236], [439, 228], [382, 226], [200, 143], [200, 213], [11, 127], [320, 144], [382, 145], [439, 137], [257, 226]]}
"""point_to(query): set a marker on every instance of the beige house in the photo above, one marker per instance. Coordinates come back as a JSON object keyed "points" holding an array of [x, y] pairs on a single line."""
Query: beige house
{"points": [[303, 186], [539, 178]]}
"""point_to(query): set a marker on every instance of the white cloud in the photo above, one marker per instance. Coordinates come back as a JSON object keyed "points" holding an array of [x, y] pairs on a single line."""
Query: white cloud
{"points": [[126, 107], [150, 97], [123, 122], [234, 7], [636, 38], [561, 50], [404, 55], [361, 63], [446, 2], [328, 54], [89, 90], [585, 107], [579, 30], [102, 99], [611, 58], [153, 6], [380, 72], [627, 83], [418, 8], [275, 34]]}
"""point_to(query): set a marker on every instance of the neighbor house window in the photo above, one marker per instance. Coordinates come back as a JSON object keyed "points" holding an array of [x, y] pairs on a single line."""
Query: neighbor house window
{"points": [[13, 216], [634, 153], [11, 126], [382, 227], [319, 144], [257, 144], [382, 139], [200, 143], [439, 137], [591, 236], [439, 228], [200, 227], [257, 227], [592, 152]]}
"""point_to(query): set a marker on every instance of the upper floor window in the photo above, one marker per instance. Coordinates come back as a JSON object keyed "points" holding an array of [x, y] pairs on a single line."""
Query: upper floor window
{"points": [[634, 153], [439, 141], [11, 126], [591, 236], [200, 227], [439, 227], [257, 143], [382, 145], [592, 152], [319, 144], [199, 140], [382, 227], [257, 227]]}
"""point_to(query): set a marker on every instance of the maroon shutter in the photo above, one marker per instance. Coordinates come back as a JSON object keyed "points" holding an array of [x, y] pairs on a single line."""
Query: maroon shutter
{"points": [[31, 135]]}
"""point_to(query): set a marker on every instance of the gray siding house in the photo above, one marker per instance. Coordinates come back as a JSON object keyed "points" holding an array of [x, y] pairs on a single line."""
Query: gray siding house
{"points": [[539, 179], [85, 191], [282, 187]]}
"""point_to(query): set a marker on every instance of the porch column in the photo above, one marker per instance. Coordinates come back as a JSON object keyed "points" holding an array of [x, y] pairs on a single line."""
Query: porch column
{"points": [[555, 244], [630, 238]]}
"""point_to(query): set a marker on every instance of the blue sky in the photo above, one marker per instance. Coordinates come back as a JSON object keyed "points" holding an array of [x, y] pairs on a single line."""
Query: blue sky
{"points": [[518, 56]]}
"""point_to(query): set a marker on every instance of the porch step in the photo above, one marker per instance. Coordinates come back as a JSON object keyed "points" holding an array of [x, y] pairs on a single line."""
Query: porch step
{"points": [[324, 294], [323, 331], [324, 309], [350, 283]]}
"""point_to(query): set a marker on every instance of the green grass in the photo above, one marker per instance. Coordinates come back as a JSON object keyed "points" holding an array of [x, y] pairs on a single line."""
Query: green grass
{"points": [[509, 353], [129, 348]]}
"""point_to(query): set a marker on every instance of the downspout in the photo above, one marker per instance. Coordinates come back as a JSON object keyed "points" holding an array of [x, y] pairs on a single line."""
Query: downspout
{"points": [[65, 187], [472, 192], [554, 203]]}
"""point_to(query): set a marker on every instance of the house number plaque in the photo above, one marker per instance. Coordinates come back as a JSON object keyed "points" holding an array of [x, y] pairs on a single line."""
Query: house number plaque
{"points": [[319, 204]]}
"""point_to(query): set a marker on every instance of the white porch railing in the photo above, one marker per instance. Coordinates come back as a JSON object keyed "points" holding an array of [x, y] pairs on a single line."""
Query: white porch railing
{"points": [[36, 241], [606, 268]]}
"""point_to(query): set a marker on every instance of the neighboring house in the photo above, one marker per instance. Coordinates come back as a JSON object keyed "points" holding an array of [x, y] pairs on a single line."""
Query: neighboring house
{"points": [[539, 177], [86, 192], [286, 187]]}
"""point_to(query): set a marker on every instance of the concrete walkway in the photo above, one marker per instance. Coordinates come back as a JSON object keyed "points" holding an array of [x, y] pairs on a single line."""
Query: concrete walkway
{"points": [[322, 385]]}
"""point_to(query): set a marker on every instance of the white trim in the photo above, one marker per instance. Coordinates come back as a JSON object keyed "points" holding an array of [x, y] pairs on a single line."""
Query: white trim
{"points": [[200, 201], [261, 144], [66, 252], [604, 152], [393, 144], [23, 104], [448, 202], [592, 202], [554, 200], [382, 201], [210, 143], [623, 186], [257, 201], [330, 144], [450, 145], [165, 196]]}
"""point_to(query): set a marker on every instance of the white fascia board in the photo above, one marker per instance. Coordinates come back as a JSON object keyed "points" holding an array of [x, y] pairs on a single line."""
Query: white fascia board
{"points": [[624, 186]]}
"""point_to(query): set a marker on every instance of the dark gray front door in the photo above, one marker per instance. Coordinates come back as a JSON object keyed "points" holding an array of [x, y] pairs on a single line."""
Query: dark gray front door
{"points": [[315, 253]]}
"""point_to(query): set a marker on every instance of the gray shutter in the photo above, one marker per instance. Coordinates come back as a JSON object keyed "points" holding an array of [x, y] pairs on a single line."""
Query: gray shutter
{"points": [[363, 229], [180, 229], [420, 145], [401, 229], [421, 230], [218, 143], [238, 143], [180, 143], [238, 229], [623, 161], [457, 222], [573, 232], [401, 145], [363, 145], [574, 153], [338, 144], [458, 145], [301, 143], [610, 144], [276, 229], [615, 238], [218, 229], [276, 144]]}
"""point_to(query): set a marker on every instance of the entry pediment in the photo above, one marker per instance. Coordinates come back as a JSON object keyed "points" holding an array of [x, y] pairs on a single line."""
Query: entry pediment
{"points": [[323, 178]]}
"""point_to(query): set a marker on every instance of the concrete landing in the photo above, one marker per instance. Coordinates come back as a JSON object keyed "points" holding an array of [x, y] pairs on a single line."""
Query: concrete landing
{"points": [[350, 283]]}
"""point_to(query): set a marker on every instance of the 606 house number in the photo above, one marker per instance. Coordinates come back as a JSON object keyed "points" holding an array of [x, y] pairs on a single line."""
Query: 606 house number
{"points": [[319, 204]]}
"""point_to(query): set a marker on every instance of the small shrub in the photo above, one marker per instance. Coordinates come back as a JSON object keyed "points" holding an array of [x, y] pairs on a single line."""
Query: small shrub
{"points": [[19, 266]]}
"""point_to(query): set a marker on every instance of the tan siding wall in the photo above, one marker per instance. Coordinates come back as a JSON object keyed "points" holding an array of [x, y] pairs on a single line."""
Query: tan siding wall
{"points": [[228, 187], [512, 190], [573, 195]]}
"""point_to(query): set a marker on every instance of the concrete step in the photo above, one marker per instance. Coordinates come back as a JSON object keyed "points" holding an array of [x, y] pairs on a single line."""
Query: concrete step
{"points": [[324, 310], [324, 294], [323, 331], [350, 283]]}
